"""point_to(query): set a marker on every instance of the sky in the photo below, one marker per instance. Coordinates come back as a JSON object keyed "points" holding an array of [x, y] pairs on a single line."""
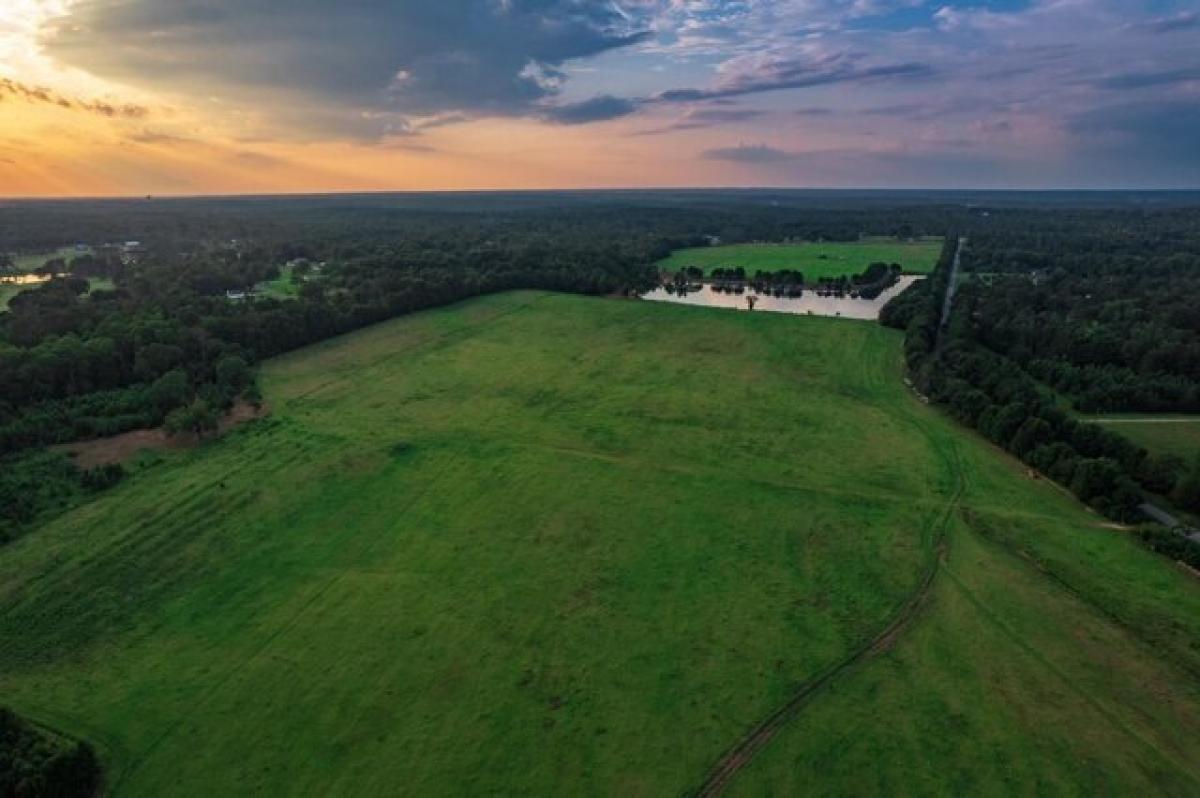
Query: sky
{"points": [[170, 97]]}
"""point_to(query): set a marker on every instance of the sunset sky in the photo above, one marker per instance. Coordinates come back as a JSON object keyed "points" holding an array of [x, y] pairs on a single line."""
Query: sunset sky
{"points": [[102, 97]]}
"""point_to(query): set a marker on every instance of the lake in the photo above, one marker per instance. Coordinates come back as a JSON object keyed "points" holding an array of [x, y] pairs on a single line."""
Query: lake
{"points": [[808, 304]]}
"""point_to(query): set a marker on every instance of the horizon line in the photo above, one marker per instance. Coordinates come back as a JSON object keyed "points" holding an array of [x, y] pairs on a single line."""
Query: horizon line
{"points": [[151, 196]]}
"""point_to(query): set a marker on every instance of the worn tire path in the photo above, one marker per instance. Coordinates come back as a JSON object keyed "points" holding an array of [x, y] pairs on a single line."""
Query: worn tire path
{"points": [[721, 775]]}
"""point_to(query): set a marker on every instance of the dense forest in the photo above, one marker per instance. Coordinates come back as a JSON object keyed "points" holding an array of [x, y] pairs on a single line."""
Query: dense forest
{"points": [[1060, 313], [1101, 307]]}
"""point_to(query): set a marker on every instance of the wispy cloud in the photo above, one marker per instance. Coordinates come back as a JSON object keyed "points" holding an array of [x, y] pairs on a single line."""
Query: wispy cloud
{"points": [[748, 153], [1183, 21], [1143, 80], [44, 96]]}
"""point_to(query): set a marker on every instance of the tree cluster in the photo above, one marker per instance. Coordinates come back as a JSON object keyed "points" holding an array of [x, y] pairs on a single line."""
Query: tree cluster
{"points": [[35, 763]]}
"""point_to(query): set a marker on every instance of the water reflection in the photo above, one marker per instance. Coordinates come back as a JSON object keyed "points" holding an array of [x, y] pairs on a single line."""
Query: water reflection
{"points": [[809, 303], [23, 279]]}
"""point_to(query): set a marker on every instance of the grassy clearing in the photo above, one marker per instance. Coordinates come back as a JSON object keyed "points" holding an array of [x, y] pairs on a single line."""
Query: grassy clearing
{"points": [[548, 544], [28, 263], [282, 287], [815, 260], [1173, 435], [100, 284]]}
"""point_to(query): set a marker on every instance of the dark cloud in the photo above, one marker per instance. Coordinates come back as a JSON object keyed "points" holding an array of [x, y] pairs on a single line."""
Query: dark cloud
{"points": [[1146, 80], [1161, 132], [44, 96], [776, 74], [1138, 144], [800, 73], [814, 111], [899, 109], [748, 153], [596, 109], [355, 63]]}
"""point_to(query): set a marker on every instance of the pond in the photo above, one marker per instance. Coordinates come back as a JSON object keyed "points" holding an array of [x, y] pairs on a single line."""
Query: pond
{"points": [[23, 279], [809, 304]]}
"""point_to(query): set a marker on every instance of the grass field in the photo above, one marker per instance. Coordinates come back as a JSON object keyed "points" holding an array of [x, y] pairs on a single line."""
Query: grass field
{"points": [[282, 287], [816, 261], [557, 545], [1172, 434], [29, 263]]}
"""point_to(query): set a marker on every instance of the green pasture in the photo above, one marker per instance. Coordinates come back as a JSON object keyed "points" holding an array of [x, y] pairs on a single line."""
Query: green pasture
{"points": [[285, 286], [1165, 435], [544, 544], [815, 260]]}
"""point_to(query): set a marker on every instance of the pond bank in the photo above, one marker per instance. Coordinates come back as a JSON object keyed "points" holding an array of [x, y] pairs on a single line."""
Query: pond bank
{"points": [[810, 303]]}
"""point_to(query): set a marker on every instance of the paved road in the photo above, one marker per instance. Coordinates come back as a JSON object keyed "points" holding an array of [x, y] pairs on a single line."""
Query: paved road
{"points": [[1156, 513], [952, 286]]}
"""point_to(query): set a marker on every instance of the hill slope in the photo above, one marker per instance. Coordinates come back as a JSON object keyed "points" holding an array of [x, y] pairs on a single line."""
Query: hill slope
{"points": [[543, 543]]}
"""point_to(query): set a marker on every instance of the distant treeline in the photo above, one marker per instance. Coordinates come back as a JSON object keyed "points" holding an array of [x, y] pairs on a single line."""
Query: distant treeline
{"points": [[987, 380], [34, 763]]}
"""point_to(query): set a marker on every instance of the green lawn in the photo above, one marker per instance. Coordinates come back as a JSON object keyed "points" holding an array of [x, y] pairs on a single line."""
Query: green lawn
{"points": [[814, 260], [100, 284], [544, 544], [282, 287], [1167, 434]]}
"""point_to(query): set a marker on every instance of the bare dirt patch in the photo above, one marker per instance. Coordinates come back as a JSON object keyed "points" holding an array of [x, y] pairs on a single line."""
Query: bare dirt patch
{"points": [[120, 448]]}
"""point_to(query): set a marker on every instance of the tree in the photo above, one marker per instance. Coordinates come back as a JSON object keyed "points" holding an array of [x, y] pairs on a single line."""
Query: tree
{"points": [[170, 390], [1095, 478], [1187, 491], [198, 418], [232, 372], [153, 359], [1032, 433]]}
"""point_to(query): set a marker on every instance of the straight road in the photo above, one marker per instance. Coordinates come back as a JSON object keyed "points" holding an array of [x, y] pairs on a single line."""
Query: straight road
{"points": [[953, 286]]}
